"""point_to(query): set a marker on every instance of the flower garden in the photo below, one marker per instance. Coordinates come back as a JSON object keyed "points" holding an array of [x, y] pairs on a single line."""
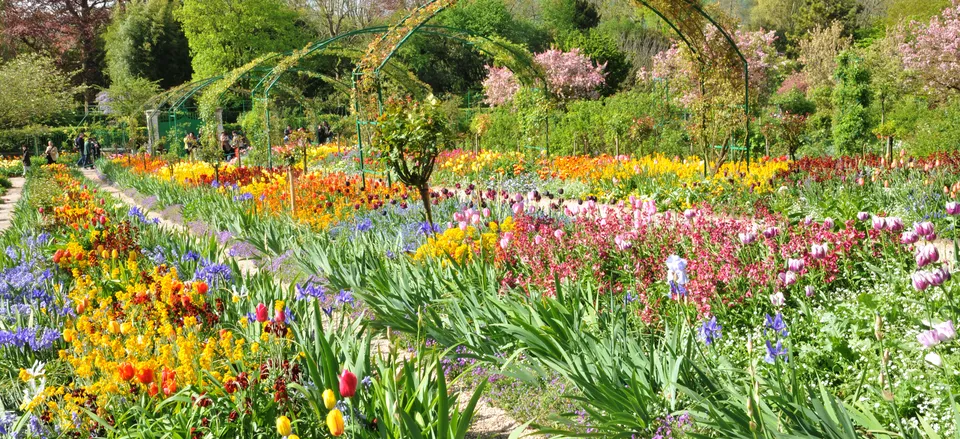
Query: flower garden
{"points": [[480, 219]]}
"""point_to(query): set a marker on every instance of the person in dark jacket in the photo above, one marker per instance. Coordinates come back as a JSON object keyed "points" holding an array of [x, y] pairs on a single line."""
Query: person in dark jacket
{"points": [[78, 143], [26, 159]]}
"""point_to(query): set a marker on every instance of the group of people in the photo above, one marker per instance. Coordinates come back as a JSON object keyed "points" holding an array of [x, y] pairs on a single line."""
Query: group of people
{"points": [[323, 134], [89, 149], [232, 145]]}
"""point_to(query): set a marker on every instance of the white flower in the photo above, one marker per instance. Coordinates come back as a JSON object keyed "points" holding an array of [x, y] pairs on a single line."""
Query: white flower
{"points": [[934, 359], [777, 299], [677, 269]]}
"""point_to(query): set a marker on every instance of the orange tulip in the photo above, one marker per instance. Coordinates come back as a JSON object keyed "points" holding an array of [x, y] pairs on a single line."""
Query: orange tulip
{"points": [[145, 375], [127, 371]]}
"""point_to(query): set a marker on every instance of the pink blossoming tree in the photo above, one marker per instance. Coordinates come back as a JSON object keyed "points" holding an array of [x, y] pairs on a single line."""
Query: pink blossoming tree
{"points": [[934, 51], [570, 75]]}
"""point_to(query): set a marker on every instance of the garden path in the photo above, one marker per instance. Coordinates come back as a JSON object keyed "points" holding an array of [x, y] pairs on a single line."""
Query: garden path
{"points": [[9, 202], [489, 422]]}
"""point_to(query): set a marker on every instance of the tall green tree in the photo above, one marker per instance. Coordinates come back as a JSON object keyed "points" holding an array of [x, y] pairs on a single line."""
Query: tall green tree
{"points": [[145, 40], [226, 34], [851, 97], [33, 90]]}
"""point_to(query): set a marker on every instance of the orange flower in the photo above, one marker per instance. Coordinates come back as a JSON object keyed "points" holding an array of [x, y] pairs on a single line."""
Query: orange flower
{"points": [[145, 375], [127, 371]]}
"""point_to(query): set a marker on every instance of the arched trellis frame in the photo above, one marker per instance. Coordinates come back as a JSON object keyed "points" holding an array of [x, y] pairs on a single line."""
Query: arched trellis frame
{"points": [[685, 17], [486, 45]]}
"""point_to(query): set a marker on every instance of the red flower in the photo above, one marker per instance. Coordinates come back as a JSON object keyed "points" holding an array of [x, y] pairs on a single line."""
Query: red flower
{"points": [[348, 384], [153, 390], [145, 376], [127, 371], [168, 380], [262, 315], [202, 288]]}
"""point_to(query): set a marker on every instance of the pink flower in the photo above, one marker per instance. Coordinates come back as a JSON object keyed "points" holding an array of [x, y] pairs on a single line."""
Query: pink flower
{"points": [[795, 265], [953, 208], [558, 233], [945, 330], [809, 290], [863, 216], [923, 229], [920, 280], [818, 251], [486, 212], [895, 224], [280, 316], [828, 223], [928, 339], [909, 237], [262, 313], [879, 223]]}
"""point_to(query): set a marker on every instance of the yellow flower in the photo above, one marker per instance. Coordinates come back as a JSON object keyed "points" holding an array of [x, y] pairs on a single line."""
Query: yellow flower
{"points": [[329, 400], [335, 422], [114, 327], [283, 426]]}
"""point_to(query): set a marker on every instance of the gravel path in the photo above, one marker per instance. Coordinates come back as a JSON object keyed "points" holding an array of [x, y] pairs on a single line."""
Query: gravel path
{"points": [[9, 202]]}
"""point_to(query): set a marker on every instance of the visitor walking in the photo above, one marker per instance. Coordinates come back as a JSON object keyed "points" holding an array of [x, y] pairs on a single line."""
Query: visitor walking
{"points": [[78, 145], [189, 144], [327, 132], [225, 145], [26, 159], [95, 152], [51, 153], [87, 153]]}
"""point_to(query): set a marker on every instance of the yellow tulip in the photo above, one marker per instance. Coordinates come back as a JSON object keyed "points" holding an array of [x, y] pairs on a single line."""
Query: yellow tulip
{"points": [[335, 422], [329, 400], [293, 436], [283, 426], [126, 328], [114, 327]]}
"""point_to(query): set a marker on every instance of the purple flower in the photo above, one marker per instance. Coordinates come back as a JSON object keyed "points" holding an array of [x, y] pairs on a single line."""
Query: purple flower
{"points": [[909, 237], [809, 290], [311, 289], [863, 216], [770, 232], [945, 331], [710, 331], [777, 325], [828, 223], [795, 265], [926, 255], [928, 339], [923, 229], [773, 352], [345, 297], [953, 208], [921, 280], [879, 223], [748, 238], [895, 224], [818, 251]]}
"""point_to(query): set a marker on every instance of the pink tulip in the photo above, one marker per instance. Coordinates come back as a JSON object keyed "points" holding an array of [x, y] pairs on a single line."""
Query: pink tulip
{"points": [[280, 316], [262, 313], [920, 280], [863, 216], [953, 208], [558, 233], [945, 330], [909, 237], [928, 339]]}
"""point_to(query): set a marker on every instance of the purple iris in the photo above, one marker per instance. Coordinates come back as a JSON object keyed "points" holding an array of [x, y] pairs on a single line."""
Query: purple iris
{"points": [[710, 331], [774, 351]]}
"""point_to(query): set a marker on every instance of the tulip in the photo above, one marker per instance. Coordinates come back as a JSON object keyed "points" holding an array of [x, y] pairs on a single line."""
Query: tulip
{"points": [[145, 375], [770, 232], [894, 224], [689, 213], [504, 243], [928, 338], [863, 216], [953, 208], [153, 390], [114, 327], [828, 223], [486, 212], [789, 278], [818, 251], [920, 281], [335, 422], [329, 400], [517, 208], [923, 229], [795, 265], [934, 359], [202, 288], [558, 233], [879, 223], [748, 238], [262, 315], [168, 381], [909, 237], [808, 220], [283, 426], [348, 384], [945, 331], [809, 290], [537, 240], [777, 299], [126, 371], [280, 316]]}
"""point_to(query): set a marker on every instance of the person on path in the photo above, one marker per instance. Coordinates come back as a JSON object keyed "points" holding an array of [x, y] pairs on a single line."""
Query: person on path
{"points": [[51, 153], [87, 152], [95, 152], [225, 145], [320, 135], [26, 159], [78, 144], [327, 132], [189, 144]]}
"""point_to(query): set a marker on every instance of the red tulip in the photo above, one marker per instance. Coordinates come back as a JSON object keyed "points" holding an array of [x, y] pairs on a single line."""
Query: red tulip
{"points": [[280, 316], [262, 315], [127, 371], [145, 375], [153, 390], [168, 380], [348, 384], [202, 288]]}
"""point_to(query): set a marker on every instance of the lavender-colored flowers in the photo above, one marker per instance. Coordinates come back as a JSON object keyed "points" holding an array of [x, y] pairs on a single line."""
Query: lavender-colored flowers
{"points": [[677, 275], [953, 208], [710, 331], [926, 255], [775, 351], [777, 325], [214, 274], [311, 289], [37, 339]]}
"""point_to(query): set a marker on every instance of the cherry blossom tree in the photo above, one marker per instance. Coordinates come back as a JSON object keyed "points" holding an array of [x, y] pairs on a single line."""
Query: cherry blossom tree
{"points": [[569, 75], [934, 51]]}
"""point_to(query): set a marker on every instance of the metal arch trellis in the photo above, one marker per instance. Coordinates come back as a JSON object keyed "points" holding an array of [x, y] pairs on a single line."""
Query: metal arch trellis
{"points": [[680, 15], [268, 81]]}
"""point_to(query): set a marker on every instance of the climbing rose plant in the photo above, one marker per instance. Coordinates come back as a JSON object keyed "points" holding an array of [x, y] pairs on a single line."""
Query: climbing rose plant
{"points": [[933, 52], [570, 75]]}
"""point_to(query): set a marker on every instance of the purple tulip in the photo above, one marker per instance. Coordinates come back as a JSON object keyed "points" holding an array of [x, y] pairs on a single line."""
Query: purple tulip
{"points": [[808, 220], [879, 223], [920, 280], [689, 213], [953, 208], [818, 251], [517, 207], [923, 229], [945, 330], [770, 232], [895, 224], [809, 290], [928, 339], [748, 238], [926, 255], [909, 237], [863, 216], [828, 223], [795, 265], [788, 278]]}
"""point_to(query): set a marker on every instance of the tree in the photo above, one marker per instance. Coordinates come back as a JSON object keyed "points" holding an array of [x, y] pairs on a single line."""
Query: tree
{"points": [[33, 91], [570, 75], [145, 40], [125, 98], [409, 136], [851, 97], [66, 29], [819, 51], [932, 54], [226, 34], [603, 50]]}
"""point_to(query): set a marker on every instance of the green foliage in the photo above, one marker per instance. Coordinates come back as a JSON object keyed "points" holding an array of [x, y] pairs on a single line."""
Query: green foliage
{"points": [[33, 90], [127, 98], [224, 34], [851, 97], [935, 129], [564, 16], [144, 40]]}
